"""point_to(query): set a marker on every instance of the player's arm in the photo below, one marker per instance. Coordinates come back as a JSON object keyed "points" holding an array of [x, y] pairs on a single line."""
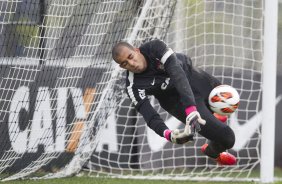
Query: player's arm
{"points": [[155, 122], [153, 119], [176, 73], [178, 77]]}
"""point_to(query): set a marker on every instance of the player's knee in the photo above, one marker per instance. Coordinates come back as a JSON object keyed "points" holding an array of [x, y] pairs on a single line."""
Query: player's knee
{"points": [[229, 138]]}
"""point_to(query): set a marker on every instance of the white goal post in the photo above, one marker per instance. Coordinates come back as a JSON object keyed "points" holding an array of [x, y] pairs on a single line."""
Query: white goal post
{"points": [[63, 107], [269, 91]]}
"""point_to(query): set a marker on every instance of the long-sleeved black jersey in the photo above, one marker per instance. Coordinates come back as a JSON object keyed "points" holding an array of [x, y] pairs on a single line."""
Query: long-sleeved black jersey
{"points": [[166, 71]]}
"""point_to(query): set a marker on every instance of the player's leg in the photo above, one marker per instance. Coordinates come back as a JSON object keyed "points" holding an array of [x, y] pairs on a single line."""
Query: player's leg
{"points": [[214, 129], [170, 101], [221, 137], [203, 83], [223, 158]]}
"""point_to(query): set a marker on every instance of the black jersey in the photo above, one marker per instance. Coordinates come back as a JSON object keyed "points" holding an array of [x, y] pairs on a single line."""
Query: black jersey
{"points": [[165, 70], [172, 79]]}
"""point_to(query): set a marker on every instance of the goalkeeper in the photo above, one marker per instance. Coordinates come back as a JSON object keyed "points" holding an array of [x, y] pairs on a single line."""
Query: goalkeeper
{"points": [[181, 89]]}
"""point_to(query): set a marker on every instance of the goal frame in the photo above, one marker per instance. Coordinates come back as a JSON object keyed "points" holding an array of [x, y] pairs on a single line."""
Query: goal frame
{"points": [[269, 91], [220, 39]]}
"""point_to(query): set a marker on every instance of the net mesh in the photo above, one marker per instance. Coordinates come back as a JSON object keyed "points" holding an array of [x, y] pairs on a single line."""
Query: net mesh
{"points": [[225, 39], [62, 103]]}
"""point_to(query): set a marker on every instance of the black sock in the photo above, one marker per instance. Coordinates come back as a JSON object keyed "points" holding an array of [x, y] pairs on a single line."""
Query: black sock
{"points": [[214, 149]]}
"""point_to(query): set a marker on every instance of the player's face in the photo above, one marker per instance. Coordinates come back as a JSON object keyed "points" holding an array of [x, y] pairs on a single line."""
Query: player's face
{"points": [[132, 60]]}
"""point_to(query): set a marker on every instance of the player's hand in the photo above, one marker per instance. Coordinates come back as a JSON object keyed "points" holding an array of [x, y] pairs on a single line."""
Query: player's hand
{"points": [[175, 136], [193, 122]]}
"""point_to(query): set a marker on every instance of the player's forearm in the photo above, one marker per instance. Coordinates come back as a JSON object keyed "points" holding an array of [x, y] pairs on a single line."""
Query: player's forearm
{"points": [[179, 79], [158, 125], [152, 118]]}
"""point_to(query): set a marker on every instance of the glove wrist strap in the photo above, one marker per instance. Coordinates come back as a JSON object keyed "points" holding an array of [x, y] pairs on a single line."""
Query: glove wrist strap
{"points": [[190, 109], [167, 133]]}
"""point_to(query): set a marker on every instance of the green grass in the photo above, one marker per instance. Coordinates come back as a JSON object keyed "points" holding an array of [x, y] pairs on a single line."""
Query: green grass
{"points": [[84, 179], [90, 180]]}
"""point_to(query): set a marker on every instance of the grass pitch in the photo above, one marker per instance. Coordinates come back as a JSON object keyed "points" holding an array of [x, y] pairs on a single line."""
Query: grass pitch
{"points": [[91, 180], [84, 179]]}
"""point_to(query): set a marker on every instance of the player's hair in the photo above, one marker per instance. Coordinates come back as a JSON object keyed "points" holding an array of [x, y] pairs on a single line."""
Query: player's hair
{"points": [[117, 48]]}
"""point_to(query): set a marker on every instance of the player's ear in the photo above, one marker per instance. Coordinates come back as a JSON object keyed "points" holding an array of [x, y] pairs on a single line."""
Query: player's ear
{"points": [[137, 50]]}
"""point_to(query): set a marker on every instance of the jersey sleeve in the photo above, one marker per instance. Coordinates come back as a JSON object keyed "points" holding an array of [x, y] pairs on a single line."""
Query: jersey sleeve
{"points": [[144, 107], [175, 71]]}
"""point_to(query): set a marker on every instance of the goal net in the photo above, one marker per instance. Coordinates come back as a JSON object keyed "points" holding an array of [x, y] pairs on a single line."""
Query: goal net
{"points": [[63, 105]]}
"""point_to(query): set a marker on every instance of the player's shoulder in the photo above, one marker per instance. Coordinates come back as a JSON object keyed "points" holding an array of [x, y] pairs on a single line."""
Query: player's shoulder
{"points": [[153, 43], [155, 48]]}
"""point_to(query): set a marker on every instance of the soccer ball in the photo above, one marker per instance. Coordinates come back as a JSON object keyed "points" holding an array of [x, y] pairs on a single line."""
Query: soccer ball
{"points": [[224, 100]]}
